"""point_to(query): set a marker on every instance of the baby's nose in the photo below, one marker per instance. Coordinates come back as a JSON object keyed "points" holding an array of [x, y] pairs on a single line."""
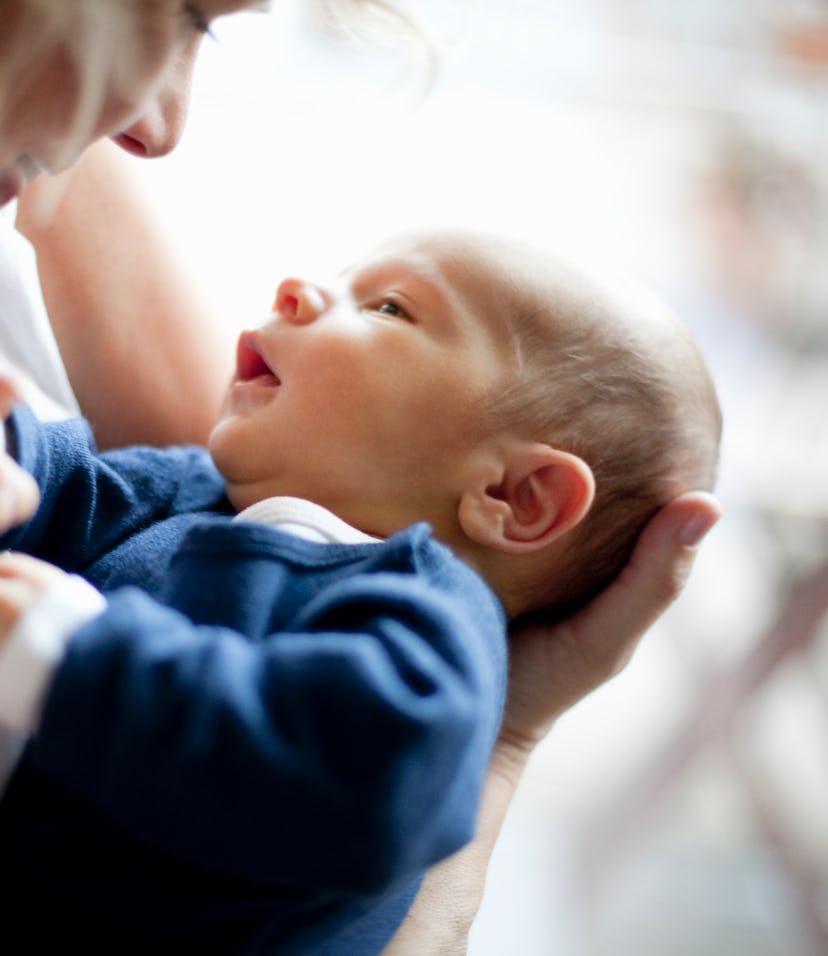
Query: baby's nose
{"points": [[299, 301]]}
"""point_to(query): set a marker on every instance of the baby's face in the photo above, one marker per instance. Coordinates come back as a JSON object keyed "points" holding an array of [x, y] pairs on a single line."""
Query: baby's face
{"points": [[366, 395]]}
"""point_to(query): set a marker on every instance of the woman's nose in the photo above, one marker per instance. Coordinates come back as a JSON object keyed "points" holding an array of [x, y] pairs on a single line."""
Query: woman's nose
{"points": [[156, 132], [299, 301], [158, 129]]}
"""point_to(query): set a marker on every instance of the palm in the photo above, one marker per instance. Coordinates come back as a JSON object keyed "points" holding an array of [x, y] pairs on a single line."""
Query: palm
{"points": [[552, 666]]}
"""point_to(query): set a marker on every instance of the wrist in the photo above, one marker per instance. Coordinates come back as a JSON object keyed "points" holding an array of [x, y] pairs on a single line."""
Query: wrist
{"points": [[512, 752], [530, 714], [35, 646]]}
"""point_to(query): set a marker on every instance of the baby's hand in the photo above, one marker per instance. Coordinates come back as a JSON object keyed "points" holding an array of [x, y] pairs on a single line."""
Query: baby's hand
{"points": [[19, 495], [22, 581]]}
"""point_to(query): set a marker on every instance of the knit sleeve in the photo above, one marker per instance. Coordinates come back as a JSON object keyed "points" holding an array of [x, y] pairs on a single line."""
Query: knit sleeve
{"points": [[91, 502], [347, 752]]}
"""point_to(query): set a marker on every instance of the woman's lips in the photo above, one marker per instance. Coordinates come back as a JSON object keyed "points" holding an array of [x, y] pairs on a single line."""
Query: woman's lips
{"points": [[10, 186]]}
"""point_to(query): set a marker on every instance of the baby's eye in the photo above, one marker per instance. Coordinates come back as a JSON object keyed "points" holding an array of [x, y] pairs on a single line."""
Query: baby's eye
{"points": [[391, 308]]}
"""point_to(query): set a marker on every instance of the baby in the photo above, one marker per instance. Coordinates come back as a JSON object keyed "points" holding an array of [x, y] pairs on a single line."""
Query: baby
{"points": [[535, 414], [264, 744]]}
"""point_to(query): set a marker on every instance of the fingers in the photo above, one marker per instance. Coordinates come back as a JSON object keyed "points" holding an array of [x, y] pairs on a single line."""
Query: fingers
{"points": [[8, 396], [554, 665], [19, 494], [659, 566], [23, 567], [22, 580], [608, 629]]}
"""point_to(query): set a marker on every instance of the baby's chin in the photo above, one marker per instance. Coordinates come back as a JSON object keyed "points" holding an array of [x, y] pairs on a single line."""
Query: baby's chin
{"points": [[226, 444], [239, 496]]}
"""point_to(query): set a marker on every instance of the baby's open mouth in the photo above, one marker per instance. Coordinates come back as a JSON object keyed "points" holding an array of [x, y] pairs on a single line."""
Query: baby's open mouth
{"points": [[251, 364]]}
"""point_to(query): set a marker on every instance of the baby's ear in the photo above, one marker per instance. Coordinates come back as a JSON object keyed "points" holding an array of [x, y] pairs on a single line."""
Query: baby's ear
{"points": [[543, 493]]}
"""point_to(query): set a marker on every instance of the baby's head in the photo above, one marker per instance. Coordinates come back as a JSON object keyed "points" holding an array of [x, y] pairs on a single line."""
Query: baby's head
{"points": [[534, 413], [607, 373]]}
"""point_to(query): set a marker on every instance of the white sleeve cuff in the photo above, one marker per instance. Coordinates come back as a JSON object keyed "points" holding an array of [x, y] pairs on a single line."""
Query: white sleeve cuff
{"points": [[36, 645]]}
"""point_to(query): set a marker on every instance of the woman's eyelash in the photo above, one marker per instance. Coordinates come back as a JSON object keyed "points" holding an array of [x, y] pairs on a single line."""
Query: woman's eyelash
{"points": [[198, 20]]}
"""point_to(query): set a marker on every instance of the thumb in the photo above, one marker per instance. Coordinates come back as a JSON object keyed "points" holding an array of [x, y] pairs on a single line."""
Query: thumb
{"points": [[8, 396], [651, 580], [19, 494]]}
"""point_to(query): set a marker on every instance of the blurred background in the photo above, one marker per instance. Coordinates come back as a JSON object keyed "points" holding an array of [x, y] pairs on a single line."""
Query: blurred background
{"points": [[683, 808]]}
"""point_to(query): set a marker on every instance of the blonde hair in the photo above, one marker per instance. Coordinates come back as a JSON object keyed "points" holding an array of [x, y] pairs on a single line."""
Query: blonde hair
{"points": [[383, 23], [98, 40], [367, 17], [108, 44]]}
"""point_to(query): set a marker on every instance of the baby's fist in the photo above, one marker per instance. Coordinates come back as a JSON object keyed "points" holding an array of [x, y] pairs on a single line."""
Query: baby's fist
{"points": [[22, 581], [19, 495]]}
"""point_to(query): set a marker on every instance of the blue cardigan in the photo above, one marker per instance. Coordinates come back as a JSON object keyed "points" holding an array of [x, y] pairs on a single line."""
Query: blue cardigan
{"points": [[262, 743]]}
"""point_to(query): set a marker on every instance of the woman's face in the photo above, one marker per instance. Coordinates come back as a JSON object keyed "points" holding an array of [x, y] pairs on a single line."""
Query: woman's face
{"points": [[144, 111]]}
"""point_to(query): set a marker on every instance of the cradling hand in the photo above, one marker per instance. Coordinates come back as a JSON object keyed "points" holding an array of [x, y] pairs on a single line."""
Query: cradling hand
{"points": [[552, 666]]}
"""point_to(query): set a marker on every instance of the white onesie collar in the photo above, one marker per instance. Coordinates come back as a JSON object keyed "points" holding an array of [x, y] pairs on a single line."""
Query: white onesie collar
{"points": [[304, 519]]}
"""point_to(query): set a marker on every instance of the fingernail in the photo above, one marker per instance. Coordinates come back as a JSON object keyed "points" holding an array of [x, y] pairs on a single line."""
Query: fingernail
{"points": [[695, 528]]}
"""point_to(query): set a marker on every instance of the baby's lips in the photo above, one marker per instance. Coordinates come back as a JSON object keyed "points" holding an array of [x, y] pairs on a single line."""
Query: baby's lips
{"points": [[250, 362]]}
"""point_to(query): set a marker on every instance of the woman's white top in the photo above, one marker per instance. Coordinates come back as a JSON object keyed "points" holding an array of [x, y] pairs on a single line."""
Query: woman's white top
{"points": [[28, 351]]}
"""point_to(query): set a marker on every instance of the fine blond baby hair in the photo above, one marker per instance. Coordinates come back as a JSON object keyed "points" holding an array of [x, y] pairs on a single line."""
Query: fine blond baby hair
{"points": [[604, 370]]}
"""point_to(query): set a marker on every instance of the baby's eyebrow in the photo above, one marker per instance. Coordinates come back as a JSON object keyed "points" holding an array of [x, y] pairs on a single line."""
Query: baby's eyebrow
{"points": [[423, 281], [399, 266]]}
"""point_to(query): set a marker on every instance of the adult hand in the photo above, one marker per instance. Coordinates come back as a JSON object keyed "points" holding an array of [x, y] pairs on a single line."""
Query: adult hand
{"points": [[553, 666], [19, 495]]}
